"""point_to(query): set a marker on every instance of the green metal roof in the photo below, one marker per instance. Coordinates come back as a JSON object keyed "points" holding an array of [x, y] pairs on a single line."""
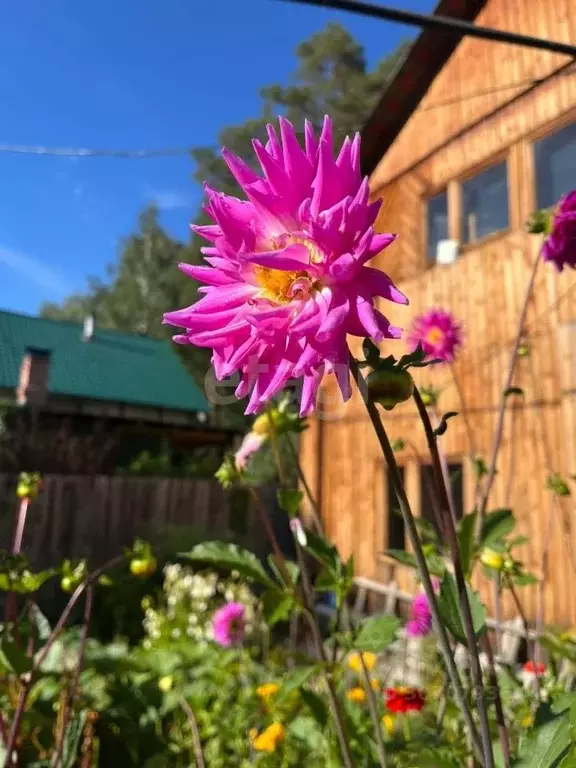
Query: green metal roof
{"points": [[113, 366]]}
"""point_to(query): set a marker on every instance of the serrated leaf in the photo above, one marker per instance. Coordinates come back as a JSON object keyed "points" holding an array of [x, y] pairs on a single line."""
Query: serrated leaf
{"points": [[451, 613], [229, 557], [443, 426], [277, 606], [294, 680], [317, 706], [466, 541], [376, 633], [496, 525], [306, 729], [435, 563], [13, 658], [289, 501]]}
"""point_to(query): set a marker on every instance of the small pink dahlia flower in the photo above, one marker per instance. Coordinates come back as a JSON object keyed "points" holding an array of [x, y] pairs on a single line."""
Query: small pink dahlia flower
{"points": [[439, 334], [420, 623], [560, 245], [228, 624], [286, 279]]}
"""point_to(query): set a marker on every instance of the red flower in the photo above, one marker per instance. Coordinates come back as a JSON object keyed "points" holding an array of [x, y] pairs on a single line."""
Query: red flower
{"points": [[534, 669], [405, 699]]}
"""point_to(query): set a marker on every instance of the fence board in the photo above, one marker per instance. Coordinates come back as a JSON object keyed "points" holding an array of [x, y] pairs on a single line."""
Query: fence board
{"points": [[95, 517]]}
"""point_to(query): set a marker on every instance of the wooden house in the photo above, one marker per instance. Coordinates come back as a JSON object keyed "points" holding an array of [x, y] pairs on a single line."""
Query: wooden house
{"points": [[469, 139], [75, 399]]}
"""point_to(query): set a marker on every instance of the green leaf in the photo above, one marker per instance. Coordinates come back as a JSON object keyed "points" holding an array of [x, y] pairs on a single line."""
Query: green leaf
{"points": [[306, 729], [289, 565], [443, 426], [435, 563], [277, 606], [450, 611], [557, 485], [376, 633], [466, 541], [316, 705], [324, 551], [229, 557], [289, 501], [402, 557], [514, 391], [524, 579], [294, 680], [496, 525], [13, 658], [547, 743]]}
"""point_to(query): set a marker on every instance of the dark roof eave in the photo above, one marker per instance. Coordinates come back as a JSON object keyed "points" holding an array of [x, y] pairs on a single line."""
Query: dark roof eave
{"points": [[411, 81]]}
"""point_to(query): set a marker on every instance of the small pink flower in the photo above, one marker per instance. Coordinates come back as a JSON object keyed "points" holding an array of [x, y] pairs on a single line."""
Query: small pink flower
{"points": [[250, 444], [420, 624], [228, 624], [560, 245], [438, 333]]}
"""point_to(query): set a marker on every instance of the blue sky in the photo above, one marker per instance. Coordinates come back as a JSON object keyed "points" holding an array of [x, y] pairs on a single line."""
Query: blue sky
{"points": [[133, 74]]}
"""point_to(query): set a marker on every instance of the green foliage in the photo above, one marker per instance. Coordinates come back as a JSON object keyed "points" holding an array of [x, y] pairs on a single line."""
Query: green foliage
{"points": [[289, 501], [229, 557], [449, 605], [376, 634]]}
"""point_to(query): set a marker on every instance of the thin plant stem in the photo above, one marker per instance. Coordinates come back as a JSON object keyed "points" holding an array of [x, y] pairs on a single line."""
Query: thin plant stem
{"points": [[396, 482], [446, 475], [310, 614], [526, 628], [498, 706], [316, 518], [468, 623], [276, 448], [265, 520], [20, 525], [503, 398], [543, 578], [29, 677], [196, 741], [374, 714], [70, 700]]}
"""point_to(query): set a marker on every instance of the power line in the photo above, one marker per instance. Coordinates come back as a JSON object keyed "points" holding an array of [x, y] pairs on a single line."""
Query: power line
{"points": [[444, 23], [21, 149]]}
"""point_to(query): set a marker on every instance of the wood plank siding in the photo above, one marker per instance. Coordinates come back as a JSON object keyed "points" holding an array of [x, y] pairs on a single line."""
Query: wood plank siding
{"points": [[452, 136]]}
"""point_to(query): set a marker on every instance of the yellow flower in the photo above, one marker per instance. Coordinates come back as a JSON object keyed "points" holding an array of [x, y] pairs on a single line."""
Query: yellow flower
{"points": [[527, 721], [356, 694], [355, 664], [252, 733], [165, 683], [267, 690], [492, 559], [269, 739], [389, 723], [375, 684]]}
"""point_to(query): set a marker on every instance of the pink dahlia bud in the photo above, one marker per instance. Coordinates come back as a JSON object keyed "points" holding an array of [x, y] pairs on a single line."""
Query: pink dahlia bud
{"points": [[438, 333], [251, 443], [285, 276], [420, 623], [560, 245], [228, 624]]}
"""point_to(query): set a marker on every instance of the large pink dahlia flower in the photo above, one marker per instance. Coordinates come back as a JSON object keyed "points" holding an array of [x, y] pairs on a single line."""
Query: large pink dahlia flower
{"points": [[287, 279]]}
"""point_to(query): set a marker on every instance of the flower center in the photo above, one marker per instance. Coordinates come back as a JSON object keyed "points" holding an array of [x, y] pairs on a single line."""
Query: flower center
{"points": [[435, 336], [282, 287]]}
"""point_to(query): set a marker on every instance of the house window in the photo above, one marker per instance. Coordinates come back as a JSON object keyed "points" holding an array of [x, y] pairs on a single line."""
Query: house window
{"points": [[396, 532], [555, 161], [485, 204], [427, 496], [437, 222]]}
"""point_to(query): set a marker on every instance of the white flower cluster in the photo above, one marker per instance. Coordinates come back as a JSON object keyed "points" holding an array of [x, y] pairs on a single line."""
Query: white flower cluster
{"points": [[190, 600]]}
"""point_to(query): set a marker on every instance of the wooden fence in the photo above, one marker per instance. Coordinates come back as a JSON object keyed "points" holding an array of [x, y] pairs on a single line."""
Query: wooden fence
{"points": [[95, 517]]}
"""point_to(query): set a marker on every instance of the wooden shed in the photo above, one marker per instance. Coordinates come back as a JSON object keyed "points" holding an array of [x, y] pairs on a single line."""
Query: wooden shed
{"points": [[469, 139]]}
